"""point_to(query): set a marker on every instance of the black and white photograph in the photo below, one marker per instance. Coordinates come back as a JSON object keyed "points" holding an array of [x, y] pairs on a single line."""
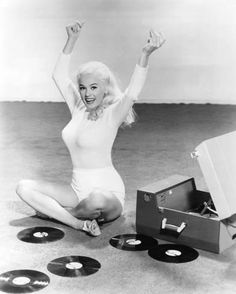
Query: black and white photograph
{"points": [[118, 146]]}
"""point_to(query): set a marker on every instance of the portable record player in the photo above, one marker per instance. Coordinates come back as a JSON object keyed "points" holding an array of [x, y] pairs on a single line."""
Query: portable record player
{"points": [[174, 210]]}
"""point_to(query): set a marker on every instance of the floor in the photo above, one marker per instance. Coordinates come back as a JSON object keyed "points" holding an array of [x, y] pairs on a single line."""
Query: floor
{"points": [[157, 146]]}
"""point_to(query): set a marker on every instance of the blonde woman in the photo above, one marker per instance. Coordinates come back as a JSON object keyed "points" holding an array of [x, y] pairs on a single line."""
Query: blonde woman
{"points": [[98, 108]]}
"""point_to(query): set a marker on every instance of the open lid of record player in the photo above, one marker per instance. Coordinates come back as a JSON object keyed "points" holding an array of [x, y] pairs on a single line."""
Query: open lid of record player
{"points": [[217, 159]]}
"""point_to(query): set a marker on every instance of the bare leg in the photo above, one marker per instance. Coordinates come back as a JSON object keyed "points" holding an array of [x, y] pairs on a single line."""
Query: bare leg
{"points": [[99, 204], [49, 199]]}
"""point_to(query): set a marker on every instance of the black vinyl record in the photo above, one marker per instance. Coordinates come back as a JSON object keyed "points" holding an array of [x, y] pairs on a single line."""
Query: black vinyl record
{"points": [[23, 281], [173, 253], [74, 266], [40, 235], [133, 242]]}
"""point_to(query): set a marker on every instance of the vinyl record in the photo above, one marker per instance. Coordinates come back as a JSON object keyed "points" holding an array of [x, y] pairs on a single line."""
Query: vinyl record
{"points": [[23, 281], [73, 266], [133, 242], [173, 253], [40, 235]]}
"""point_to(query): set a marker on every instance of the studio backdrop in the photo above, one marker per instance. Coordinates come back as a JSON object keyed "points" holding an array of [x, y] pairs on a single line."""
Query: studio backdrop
{"points": [[197, 63]]}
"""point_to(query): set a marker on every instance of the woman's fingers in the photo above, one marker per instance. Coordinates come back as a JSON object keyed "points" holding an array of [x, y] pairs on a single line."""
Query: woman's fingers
{"points": [[161, 39], [74, 28], [153, 35], [80, 23], [156, 39]]}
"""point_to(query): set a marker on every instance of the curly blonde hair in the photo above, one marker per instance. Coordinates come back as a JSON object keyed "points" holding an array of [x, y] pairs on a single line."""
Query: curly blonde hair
{"points": [[113, 92]]}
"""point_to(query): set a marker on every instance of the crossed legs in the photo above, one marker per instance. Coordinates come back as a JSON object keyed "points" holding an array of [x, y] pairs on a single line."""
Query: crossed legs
{"points": [[61, 203]]}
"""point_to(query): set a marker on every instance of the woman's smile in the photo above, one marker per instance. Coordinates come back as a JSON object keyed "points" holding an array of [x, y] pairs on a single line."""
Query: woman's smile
{"points": [[90, 100]]}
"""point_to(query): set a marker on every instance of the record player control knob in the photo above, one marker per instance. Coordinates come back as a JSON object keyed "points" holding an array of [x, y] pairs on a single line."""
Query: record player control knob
{"points": [[147, 197]]}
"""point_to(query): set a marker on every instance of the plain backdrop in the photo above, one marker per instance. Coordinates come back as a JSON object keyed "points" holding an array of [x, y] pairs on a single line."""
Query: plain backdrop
{"points": [[197, 63]]}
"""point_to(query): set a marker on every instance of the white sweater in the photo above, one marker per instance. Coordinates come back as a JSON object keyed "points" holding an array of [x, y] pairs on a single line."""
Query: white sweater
{"points": [[90, 142]]}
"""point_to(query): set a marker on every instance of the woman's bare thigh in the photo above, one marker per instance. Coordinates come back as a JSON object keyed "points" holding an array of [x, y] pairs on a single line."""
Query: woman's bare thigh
{"points": [[62, 193]]}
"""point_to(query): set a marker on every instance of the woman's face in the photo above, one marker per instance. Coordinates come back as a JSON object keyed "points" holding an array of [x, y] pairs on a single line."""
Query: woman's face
{"points": [[92, 90]]}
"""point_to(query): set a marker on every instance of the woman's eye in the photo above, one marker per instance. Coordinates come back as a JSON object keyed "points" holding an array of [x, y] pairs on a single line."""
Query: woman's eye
{"points": [[81, 88], [93, 88]]}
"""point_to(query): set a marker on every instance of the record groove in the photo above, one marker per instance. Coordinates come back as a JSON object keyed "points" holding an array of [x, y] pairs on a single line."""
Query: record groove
{"points": [[173, 253], [40, 235], [133, 242], [23, 281], [73, 266]]}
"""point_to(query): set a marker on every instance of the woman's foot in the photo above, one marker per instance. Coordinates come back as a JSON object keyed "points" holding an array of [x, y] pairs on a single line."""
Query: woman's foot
{"points": [[92, 228]]}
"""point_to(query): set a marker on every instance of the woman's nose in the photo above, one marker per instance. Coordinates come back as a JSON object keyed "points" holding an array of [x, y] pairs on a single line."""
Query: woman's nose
{"points": [[87, 92]]}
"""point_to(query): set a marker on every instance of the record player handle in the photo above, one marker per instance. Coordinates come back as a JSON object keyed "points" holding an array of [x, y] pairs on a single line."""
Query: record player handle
{"points": [[171, 227]]}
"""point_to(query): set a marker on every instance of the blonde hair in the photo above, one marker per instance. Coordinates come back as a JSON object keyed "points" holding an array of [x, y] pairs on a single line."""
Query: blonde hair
{"points": [[113, 92]]}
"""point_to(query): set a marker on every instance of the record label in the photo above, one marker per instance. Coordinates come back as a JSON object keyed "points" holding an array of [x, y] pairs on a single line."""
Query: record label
{"points": [[23, 281], [40, 235], [133, 242], [173, 253], [74, 266]]}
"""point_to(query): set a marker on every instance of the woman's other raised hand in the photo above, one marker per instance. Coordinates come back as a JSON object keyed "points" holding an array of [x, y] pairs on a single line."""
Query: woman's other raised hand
{"points": [[154, 42], [73, 30]]}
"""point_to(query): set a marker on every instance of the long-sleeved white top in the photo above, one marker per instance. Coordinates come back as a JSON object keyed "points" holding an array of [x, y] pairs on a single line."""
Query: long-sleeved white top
{"points": [[90, 142]]}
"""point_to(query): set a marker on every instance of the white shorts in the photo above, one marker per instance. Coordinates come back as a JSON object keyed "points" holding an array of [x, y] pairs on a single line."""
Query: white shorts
{"points": [[84, 181]]}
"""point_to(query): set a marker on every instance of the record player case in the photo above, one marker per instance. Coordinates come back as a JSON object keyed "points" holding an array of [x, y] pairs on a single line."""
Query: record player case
{"points": [[171, 209]]}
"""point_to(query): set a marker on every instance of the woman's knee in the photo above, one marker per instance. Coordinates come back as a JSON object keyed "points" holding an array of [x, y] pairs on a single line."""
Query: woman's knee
{"points": [[106, 203], [98, 199], [24, 187]]}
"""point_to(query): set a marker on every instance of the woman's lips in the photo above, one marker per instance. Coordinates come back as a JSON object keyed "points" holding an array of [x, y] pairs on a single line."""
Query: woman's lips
{"points": [[89, 100]]}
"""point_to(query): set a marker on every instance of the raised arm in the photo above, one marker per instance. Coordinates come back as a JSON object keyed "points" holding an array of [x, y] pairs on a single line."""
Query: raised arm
{"points": [[61, 70], [138, 78]]}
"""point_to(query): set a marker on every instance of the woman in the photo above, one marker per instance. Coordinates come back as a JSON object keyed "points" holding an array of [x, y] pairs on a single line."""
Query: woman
{"points": [[98, 108]]}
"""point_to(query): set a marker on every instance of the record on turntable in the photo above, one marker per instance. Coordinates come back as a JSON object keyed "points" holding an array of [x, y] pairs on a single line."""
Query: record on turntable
{"points": [[23, 281], [40, 235], [133, 242], [173, 253], [74, 266]]}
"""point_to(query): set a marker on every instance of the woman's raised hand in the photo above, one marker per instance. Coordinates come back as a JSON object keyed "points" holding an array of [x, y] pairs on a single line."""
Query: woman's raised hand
{"points": [[155, 41], [73, 30]]}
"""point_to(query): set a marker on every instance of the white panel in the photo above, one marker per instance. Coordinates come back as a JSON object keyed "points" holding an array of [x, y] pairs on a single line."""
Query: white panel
{"points": [[217, 159]]}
